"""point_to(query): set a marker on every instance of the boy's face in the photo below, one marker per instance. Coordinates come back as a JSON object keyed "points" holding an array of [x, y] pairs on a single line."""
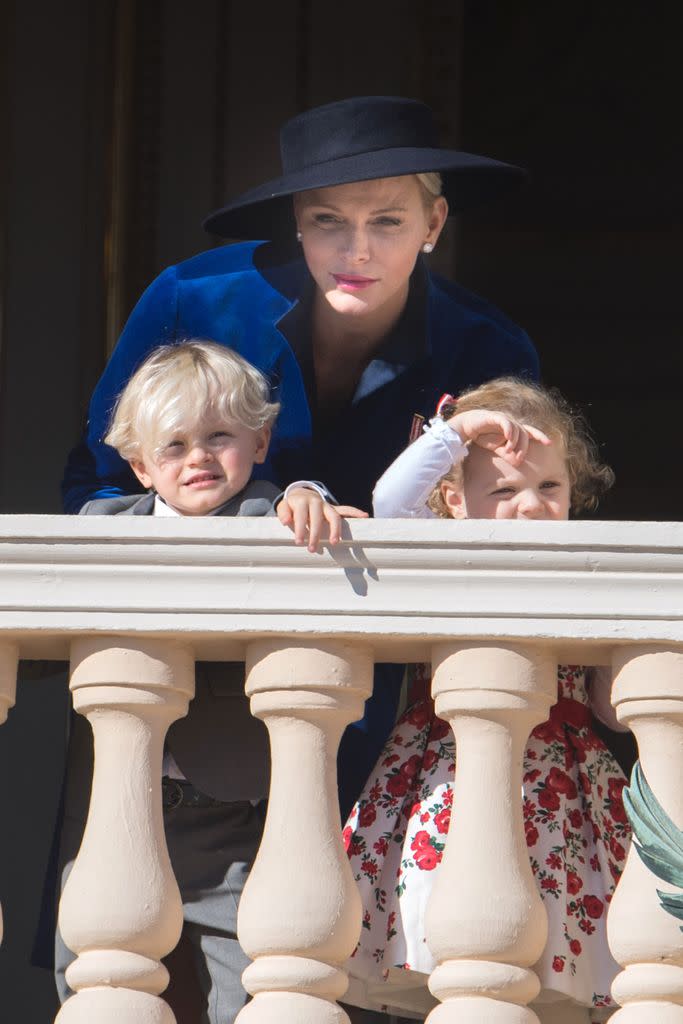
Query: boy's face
{"points": [[199, 470], [493, 489]]}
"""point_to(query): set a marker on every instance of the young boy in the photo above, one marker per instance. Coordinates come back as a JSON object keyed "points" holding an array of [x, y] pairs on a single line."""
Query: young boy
{"points": [[193, 421]]}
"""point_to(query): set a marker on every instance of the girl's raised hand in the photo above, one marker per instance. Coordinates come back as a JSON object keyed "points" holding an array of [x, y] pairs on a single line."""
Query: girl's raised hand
{"points": [[497, 433]]}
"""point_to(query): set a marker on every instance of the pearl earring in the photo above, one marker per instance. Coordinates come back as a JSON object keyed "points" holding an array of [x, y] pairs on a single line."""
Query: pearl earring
{"points": [[299, 236], [427, 247]]}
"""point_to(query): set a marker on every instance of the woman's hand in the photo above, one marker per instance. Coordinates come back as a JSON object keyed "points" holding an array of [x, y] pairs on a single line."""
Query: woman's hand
{"points": [[305, 512], [497, 433]]}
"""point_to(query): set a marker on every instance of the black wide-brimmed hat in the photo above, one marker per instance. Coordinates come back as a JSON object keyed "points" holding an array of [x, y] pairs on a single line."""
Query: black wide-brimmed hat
{"points": [[356, 140]]}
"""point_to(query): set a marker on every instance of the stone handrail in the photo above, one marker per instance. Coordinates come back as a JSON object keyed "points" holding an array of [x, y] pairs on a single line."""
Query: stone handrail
{"points": [[495, 606]]}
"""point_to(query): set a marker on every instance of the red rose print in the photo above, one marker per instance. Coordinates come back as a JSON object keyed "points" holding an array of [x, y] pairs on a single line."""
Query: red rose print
{"points": [[575, 947], [443, 819], [420, 841], [558, 964], [618, 812], [424, 817], [549, 884], [575, 818], [578, 748], [439, 730], [616, 805], [585, 783], [532, 775], [548, 799], [531, 836], [448, 796], [369, 867], [574, 883], [392, 759], [548, 732], [554, 861], [419, 714], [429, 760], [367, 815], [411, 767], [381, 847], [397, 785], [346, 837], [616, 849], [427, 858], [561, 782], [593, 906]]}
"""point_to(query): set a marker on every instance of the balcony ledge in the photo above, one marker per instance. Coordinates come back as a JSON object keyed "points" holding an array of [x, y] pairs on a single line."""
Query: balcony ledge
{"points": [[397, 585]]}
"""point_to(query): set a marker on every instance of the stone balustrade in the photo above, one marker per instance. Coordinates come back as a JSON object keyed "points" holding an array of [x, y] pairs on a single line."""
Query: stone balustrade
{"points": [[495, 606]]}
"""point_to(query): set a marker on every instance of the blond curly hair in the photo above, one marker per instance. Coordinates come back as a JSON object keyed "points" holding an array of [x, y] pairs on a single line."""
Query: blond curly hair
{"points": [[177, 386], [547, 410]]}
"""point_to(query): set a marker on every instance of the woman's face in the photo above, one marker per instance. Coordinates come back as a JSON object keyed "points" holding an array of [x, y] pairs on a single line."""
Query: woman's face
{"points": [[361, 240]]}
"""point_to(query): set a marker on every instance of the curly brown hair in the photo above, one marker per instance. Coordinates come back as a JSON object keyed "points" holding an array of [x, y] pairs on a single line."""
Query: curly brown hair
{"points": [[546, 409]]}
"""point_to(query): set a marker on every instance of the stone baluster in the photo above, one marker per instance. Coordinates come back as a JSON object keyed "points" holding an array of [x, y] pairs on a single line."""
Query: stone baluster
{"points": [[485, 921], [9, 659], [643, 937], [300, 914], [121, 910]]}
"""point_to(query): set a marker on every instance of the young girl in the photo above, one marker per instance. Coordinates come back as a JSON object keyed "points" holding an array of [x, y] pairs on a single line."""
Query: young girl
{"points": [[506, 450]]}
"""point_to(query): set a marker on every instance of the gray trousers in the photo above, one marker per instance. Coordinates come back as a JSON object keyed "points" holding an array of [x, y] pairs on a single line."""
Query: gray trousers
{"points": [[211, 850]]}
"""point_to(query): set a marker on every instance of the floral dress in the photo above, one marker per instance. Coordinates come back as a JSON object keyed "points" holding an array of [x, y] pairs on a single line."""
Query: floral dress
{"points": [[576, 831]]}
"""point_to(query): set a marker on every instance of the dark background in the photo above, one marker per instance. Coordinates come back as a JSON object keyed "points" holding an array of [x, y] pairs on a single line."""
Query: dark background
{"points": [[122, 124]]}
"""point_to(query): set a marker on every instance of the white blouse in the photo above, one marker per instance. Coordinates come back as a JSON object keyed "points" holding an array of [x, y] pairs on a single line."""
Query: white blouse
{"points": [[402, 491]]}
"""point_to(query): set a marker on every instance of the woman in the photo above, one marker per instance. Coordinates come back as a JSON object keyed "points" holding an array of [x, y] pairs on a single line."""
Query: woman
{"points": [[338, 309], [352, 328]]}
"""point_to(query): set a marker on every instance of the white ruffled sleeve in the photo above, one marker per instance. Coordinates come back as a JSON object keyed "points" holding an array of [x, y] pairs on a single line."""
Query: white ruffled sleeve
{"points": [[402, 491]]}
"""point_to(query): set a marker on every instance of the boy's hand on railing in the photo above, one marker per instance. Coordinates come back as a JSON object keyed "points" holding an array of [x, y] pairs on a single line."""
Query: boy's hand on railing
{"points": [[497, 433], [305, 512]]}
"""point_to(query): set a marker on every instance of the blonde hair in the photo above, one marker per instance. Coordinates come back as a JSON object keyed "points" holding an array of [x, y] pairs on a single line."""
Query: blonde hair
{"points": [[179, 385], [432, 183], [548, 411]]}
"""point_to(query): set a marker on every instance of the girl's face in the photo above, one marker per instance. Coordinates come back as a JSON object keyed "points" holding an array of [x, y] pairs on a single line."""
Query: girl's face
{"points": [[202, 468], [494, 489], [361, 240]]}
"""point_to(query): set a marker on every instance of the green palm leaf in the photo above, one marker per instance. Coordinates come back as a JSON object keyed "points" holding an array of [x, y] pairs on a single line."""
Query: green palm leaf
{"points": [[658, 842]]}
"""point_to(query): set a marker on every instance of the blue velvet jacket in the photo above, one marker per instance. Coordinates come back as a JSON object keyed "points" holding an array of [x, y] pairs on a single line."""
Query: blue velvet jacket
{"points": [[239, 295], [243, 296]]}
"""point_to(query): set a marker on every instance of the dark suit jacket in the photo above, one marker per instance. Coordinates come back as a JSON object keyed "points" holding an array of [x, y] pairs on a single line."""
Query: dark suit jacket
{"points": [[219, 746]]}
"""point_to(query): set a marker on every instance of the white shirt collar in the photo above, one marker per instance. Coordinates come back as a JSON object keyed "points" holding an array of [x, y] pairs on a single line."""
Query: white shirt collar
{"points": [[162, 509]]}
